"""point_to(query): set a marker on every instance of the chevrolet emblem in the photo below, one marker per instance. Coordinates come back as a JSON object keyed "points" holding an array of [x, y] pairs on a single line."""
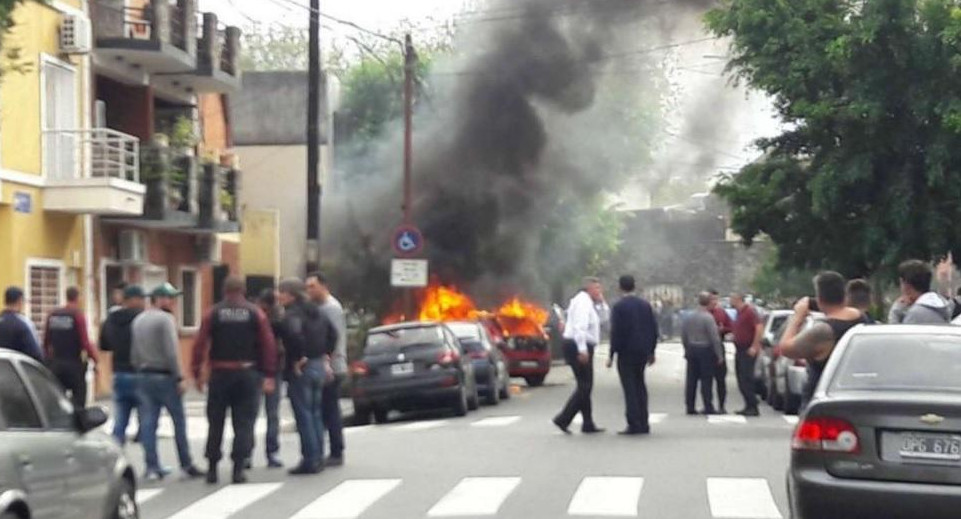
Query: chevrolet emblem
{"points": [[932, 419]]}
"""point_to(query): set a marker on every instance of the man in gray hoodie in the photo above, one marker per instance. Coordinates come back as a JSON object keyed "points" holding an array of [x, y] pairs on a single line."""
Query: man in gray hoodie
{"points": [[918, 304], [155, 354], [704, 351]]}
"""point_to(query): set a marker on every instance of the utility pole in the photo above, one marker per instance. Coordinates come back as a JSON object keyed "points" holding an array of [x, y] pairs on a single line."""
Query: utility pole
{"points": [[313, 139], [410, 62]]}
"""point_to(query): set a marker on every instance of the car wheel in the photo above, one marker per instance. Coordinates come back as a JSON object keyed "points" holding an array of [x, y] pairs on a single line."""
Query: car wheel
{"points": [[361, 414], [381, 415], [126, 505], [493, 396], [473, 403], [460, 405], [535, 380], [9, 515], [506, 389]]}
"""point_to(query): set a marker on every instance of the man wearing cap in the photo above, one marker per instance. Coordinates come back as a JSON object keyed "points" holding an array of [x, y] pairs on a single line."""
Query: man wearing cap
{"points": [[155, 356], [16, 331], [65, 340], [236, 338], [115, 337]]}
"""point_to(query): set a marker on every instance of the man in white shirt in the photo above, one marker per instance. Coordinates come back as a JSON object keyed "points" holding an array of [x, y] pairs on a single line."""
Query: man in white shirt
{"points": [[586, 313]]}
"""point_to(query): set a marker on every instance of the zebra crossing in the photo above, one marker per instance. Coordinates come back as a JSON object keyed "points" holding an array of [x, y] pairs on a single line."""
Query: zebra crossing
{"points": [[595, 496]]}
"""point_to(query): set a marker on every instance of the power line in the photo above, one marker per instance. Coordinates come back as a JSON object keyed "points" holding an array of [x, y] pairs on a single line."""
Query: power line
{"points": [[347, 23]]}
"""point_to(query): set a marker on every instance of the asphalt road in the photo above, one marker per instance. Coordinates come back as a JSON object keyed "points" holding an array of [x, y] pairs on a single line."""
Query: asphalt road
{"points": [[510, 462]]}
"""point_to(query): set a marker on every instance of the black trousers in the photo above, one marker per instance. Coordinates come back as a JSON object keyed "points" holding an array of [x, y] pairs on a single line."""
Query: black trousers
{"points": [[333, 420], [72, 375], [720, 377], [701, 367], [635, 394], [580, 400], [239, 391], [744, 367]]}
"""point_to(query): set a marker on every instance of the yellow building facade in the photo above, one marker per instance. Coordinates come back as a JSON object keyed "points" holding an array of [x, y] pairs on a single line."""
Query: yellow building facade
{"points": [[41, 250]]}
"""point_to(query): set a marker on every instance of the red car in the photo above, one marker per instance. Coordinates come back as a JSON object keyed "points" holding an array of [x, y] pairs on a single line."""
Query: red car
{"points": [[528, 356]]}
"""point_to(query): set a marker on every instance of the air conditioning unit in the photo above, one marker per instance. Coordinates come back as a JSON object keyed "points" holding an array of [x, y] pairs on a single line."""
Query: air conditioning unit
{"points": [[208, 249], [75, 34], [133, 246]]}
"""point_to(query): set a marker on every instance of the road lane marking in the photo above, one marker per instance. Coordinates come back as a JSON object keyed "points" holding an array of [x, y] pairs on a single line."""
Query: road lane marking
{"points": [[793, 420], [421, 426], [349, 499], [358, 429], [741, 498], [656, 417], [474, 497], [719, 419], [147, 494], [227, 501], [496, 421], [607, 496]]}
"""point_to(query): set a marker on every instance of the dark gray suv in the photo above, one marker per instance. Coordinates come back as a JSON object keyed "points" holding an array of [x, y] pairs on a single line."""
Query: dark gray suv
{"points": [[54, 461]]}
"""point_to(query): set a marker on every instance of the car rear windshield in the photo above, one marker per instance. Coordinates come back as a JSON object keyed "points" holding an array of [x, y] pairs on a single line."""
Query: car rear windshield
{"points": [[900, 362], [472, 345], [387, 341], [465, 330]]}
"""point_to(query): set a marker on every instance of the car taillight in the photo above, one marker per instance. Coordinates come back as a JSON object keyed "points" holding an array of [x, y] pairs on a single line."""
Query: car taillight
{"points": [[447, 358], [360, 369], [823, 433]]}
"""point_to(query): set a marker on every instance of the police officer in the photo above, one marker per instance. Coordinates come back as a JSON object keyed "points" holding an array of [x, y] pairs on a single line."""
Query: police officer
{"points": [[236, 339], [65, 340]]}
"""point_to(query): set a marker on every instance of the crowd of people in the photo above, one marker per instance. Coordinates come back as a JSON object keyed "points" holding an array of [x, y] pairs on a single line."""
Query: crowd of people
{"points": [[241, 357], [636, 327]]}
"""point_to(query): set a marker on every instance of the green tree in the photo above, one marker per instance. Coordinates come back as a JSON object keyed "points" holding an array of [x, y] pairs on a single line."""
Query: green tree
{"points": [[268, 47], [868, 171]]}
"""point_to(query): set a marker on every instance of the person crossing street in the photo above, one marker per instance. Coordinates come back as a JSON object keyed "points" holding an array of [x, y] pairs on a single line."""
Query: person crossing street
{"points": [[634, 334], [724, 327], [748, 329], [155, 354], [65, 343], [703, 350]]}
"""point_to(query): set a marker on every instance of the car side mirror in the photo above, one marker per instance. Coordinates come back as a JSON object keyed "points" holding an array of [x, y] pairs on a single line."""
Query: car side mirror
{"points": [[90, 418]]}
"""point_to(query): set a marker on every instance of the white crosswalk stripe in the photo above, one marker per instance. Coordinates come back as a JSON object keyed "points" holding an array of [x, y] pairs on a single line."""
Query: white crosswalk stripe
{"points": [[496, 421], [421, 426], [741, 498], [197, 427], [793, 420], [726, 419], [227, 501], [656, 417], [147, 494], [607, 496], [349, 499], [475, 497]]}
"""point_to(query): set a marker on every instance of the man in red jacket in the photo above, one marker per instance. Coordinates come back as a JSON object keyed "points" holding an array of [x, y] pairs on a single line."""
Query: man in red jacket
{"points": [[65, 340], [724, 327], [748, 330]]}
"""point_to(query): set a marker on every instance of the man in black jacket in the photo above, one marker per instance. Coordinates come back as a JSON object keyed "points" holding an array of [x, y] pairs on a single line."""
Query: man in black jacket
{"points": [[115, 337], [309, 339], [634, 334]]}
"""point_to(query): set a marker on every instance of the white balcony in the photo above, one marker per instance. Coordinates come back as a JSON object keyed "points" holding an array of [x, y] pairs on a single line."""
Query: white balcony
{"points": [[92, 172]]}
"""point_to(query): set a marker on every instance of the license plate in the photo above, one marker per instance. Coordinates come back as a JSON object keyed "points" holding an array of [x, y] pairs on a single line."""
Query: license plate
{"points": [[924, 446], [530, 364], [406, 368]]}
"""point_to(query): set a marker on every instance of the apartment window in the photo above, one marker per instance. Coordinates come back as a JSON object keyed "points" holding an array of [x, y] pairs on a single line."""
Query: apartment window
{"points": [[43, 292], [60, 145], [189, 308], [153, 277]]}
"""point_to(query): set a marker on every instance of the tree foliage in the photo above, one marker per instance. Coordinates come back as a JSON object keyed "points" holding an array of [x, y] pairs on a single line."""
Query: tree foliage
{"points": [[867, 172], [274, 47]]}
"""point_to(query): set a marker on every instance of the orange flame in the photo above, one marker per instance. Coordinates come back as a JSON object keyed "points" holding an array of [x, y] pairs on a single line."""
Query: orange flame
{"points": [[439, 303], [519, 317]]}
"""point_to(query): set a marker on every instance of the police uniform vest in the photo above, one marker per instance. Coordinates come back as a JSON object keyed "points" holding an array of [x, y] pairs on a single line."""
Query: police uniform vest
{"points": [[233, 331], [62, 335]]}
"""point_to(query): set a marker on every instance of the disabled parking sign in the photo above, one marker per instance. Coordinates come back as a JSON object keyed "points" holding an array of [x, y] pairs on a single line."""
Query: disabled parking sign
{"points": [[407, 240]]}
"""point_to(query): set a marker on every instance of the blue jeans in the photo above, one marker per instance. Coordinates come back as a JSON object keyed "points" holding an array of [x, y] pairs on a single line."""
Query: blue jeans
{"points": [[305, 392], [272, 410], [160, 392], [126, 398], [333, 419]]}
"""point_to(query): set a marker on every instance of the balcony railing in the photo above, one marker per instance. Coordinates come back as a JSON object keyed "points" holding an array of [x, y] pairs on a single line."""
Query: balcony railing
{"points": [[226, 53], [95, 153], [161, 20]]}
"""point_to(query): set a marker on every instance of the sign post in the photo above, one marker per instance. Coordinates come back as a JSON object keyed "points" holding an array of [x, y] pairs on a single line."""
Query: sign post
{"points": [[406, 271]]}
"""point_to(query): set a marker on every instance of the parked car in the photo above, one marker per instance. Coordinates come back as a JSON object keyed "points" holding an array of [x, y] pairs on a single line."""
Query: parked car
{"points": [[772, 323], [54, 460], [490, 368], [527, 356], [882, 435], [411, 366], [786, 396]]}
